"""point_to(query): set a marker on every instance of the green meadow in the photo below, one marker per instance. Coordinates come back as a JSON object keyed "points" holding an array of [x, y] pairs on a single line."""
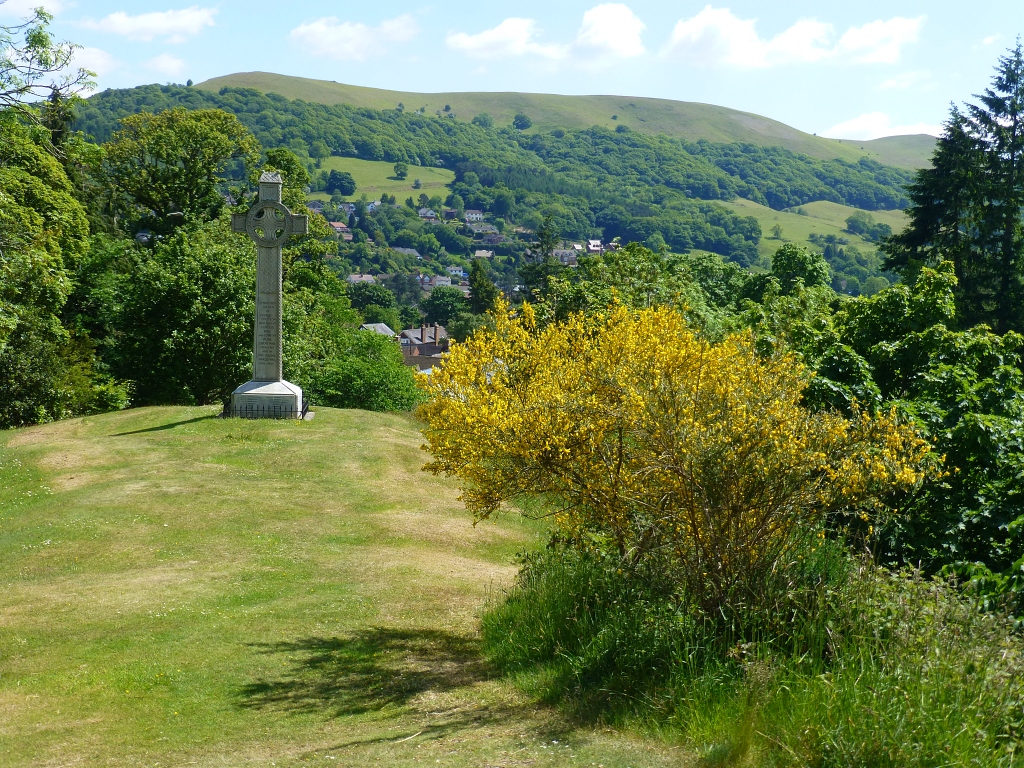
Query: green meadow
{"points": [[375, 178], [180, 589], [823, 218]]}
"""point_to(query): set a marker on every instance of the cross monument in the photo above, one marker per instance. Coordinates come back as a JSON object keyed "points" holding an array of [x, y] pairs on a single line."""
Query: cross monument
{"points": [[269, 224]]}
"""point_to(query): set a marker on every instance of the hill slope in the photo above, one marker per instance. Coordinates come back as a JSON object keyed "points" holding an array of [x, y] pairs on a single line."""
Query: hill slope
{"points": [[680, 119], [181, 589]]}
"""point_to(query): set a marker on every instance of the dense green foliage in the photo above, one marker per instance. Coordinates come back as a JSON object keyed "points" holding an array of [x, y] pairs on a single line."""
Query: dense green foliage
{"points": [[164, 169], [48, 370], [857, 667]]}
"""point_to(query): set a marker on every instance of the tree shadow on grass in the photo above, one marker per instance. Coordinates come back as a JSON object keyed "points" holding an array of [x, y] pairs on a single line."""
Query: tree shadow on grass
{"points": [[366, 671], [163, 427]]}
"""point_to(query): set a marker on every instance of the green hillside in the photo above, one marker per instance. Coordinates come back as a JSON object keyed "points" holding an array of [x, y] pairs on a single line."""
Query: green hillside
{"points": [[686, 120], [374, 178], [185, 590], [823, 218]]}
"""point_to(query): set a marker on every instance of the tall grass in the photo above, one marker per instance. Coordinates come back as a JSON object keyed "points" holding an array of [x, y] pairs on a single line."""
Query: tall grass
{"points": [[853, 666]]}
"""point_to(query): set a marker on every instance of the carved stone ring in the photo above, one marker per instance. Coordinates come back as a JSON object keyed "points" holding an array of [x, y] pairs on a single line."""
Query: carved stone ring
{"points": [[268, 223]]}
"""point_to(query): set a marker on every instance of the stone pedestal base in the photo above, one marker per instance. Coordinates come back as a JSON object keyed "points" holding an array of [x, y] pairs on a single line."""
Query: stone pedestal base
{"points": [[267, 400]]}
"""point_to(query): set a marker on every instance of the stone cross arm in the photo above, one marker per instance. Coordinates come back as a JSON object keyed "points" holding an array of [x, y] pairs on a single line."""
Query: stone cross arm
{"points": [[269, 223]]}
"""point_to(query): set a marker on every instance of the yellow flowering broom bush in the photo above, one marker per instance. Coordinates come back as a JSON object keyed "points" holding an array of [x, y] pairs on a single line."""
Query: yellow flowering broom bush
{"points": [[641, 437]]}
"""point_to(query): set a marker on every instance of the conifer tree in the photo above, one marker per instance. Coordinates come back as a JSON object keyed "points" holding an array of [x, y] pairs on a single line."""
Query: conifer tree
{"points": [[482, 290], [969, 206]]}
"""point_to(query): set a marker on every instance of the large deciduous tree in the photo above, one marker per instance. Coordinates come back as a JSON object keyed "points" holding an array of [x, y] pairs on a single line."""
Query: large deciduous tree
{"points": [[969, 206], [165, 169], [182, 315]]}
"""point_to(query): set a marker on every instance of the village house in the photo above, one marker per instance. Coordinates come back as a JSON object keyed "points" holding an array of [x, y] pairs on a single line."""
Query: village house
{"points": [[341, 230], [449, 214], [565, 256], [594, 246], [315, 206], [430, 282], [408, 252], [456, 271], [427, 215], [358, 278], [483, 229], [481, 254], [493, 239], [423, 347], [473, 216], [381, 328]]}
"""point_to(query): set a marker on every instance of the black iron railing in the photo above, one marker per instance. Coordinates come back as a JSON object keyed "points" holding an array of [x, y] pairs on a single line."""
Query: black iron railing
{"points": [[264, 411]]}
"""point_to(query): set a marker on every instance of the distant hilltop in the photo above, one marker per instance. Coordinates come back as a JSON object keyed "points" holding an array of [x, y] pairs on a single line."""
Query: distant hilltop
{"points": [[681, 119]]}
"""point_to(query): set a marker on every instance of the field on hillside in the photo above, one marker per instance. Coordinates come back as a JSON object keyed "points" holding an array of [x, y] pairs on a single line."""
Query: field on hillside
{"points": [[823, 218], [375, 178], [184, 590], [681, 119]]}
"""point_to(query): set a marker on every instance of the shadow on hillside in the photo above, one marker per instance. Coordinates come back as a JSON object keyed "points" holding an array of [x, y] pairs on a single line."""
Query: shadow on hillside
{"points": [[163, 427], [366, 671]]}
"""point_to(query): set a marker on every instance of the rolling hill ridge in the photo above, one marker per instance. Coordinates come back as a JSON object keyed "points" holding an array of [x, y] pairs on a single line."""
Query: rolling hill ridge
{"points": [[679, 119]]}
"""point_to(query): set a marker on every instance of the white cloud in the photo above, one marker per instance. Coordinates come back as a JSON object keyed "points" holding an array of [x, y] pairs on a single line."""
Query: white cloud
{"points": [[879, 42], [513, 37], [905, 80], [174, 25], [875, 125], [21, 9], [608, 31], [95, 60], [718, 36], [166, 64], [612, 28], [990, 40], [347, 40]]}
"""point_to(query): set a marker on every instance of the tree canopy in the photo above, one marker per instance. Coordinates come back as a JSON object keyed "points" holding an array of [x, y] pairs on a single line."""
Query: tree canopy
{"points": [[165, 168], [968, 207]]}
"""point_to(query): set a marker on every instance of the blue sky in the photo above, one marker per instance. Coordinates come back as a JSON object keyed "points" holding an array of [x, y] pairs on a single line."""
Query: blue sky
{"points": [[851, 70]]}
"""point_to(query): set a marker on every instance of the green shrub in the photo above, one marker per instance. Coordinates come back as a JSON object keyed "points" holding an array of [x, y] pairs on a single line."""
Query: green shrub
{"points": [[366, 372]]}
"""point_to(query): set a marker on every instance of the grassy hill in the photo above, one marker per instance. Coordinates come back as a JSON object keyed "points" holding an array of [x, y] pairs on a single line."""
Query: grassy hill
{"points": [[686, 120], [180, 589], [823, 218], [374, 178]]}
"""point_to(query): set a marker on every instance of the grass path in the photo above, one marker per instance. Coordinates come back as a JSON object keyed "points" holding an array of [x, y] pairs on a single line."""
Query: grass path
{"points": [[183, 590]]}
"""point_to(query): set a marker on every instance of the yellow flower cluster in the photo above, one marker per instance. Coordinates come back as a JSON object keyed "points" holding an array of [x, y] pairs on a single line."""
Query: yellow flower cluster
{"points": [[636, 431]]}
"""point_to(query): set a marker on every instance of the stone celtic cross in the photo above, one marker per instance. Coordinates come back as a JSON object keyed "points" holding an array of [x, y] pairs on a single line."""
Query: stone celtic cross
{"points": [[269, 224]]}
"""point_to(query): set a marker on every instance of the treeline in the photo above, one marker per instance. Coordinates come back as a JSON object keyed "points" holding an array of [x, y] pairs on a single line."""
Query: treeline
{"points": [[594, 182], [770, 175]]}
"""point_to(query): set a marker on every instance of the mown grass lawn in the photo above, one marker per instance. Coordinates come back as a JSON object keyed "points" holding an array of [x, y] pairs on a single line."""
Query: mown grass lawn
{"points": [[373, 178], [179, 589]]}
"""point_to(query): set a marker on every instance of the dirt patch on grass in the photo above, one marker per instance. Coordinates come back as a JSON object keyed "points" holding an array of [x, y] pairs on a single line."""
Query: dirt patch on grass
{"points": [[41, 435], [131, 592], [444, 529]]}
